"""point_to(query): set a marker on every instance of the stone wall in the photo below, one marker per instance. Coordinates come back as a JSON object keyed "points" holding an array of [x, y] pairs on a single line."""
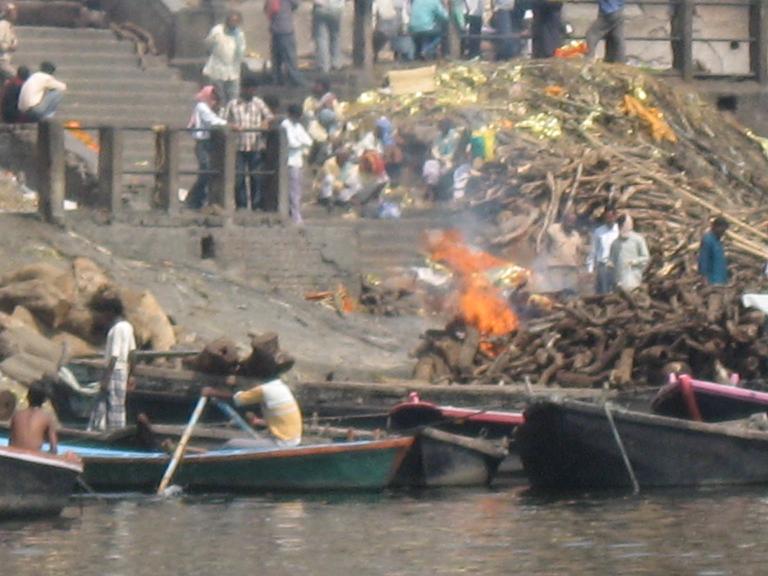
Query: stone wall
{"points": [[281, 256]]}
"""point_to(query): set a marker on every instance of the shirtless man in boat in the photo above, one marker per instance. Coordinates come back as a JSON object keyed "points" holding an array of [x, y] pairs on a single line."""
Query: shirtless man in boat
{"points": [[32, 426]]}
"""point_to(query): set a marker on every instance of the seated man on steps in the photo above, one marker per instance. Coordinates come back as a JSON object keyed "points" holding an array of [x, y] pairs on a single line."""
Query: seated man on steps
{"points": [[41, 94], [32, 426]]}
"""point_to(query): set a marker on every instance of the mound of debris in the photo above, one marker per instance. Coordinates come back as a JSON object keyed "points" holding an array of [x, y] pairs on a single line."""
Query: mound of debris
{"points": [[570, 137], [565, 135]]}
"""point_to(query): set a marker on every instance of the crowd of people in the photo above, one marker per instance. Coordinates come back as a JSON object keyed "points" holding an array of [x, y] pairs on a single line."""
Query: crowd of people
{"points": [[350, 167], [617, 256], [413, 30]]}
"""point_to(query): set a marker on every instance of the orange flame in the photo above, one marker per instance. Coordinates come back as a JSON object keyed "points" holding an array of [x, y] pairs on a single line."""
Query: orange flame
{"points": [[481, 304]]}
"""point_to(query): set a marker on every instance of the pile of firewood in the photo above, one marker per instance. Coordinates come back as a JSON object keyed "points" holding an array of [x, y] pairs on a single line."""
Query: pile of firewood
{"points": [[575, 136], [621, 339]]}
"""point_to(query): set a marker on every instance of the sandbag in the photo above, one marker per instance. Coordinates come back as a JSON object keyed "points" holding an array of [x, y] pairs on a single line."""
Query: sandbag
{"points": [[218, 357], [27, 368], [20, 339], [151, 325], [89, 279], [49, 302], [76, 347], [81, 321], [27, 319]]}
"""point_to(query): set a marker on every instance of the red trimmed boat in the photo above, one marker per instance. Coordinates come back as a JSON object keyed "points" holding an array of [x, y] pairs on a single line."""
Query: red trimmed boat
{"points": [[35, 483], [440, 459], [466, 421], [686, 397]]}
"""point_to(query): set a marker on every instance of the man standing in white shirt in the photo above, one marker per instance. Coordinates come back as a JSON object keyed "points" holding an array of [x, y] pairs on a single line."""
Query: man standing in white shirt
{"points": [[226, 43], [120, 343], [204, 117], [8, 40], [599, 256], [299, 143], [41, 94]]}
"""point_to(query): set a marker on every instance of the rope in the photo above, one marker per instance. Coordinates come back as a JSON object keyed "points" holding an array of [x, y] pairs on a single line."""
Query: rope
{"points": [[620, 444], [338, 418]]}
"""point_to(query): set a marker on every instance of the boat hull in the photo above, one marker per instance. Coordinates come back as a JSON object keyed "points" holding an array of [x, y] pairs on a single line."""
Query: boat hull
{"points": [[34, 484], [570, 445], [439, 459], [343, 466], [467, 421]]}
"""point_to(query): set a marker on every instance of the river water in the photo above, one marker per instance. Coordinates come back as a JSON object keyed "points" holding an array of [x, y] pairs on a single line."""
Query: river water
{"points": [[480, 532]]}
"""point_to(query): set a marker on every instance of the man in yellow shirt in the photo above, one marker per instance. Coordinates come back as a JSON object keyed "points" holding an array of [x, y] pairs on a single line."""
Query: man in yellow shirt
{"points": [[279, 410]]}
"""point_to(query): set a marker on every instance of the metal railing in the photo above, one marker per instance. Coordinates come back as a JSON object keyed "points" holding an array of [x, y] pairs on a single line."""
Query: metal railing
{"points": [[165, 172]]}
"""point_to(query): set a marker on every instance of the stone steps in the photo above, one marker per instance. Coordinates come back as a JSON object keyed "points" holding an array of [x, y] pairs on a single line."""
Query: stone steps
{"points": [[106, 86]]}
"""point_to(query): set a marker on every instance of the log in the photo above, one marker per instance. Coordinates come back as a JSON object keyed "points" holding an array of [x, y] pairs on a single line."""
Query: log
{"points": [[622, 374]]}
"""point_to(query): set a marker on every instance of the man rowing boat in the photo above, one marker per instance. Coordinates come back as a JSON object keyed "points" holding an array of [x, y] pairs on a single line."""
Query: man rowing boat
{"points": [[279, 410]]}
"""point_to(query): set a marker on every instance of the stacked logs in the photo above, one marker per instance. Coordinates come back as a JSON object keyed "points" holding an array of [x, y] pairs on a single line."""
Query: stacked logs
{"points": [[625, 340]]}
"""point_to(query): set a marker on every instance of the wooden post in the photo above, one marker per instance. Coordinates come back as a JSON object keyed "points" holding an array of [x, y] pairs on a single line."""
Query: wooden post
{"points": [[111, 169], [167, 162], [362, 40], [223, 161], [758, 48], [275, 188], [682, 38], [51, 170], [452, 37]]}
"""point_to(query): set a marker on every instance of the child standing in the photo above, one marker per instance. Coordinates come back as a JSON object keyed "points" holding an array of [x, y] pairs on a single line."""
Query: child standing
{"points": [[299, 143]]}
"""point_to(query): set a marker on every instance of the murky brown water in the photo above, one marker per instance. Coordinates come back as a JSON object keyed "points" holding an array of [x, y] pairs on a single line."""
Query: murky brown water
{"points": [[477, 532]]}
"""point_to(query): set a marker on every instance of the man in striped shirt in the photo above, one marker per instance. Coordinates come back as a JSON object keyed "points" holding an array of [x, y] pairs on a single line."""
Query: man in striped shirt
{"points": [[246, 115]]}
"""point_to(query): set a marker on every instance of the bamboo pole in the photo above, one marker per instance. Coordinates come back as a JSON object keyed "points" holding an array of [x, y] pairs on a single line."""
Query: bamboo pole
{"points": [[182, 446]]}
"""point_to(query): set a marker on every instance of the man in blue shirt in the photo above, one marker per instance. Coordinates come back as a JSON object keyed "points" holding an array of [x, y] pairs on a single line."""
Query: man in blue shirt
{"points": [[609, 25], [428, 21], [712, 263]]}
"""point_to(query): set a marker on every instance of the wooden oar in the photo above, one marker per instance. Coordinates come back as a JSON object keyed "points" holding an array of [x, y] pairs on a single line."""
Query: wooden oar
{"points": [[182, 446], [238, 420]]}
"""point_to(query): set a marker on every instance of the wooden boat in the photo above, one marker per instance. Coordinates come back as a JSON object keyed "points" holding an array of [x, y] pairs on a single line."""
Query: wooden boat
{"points": [[438, 458], [685, 397], [166, 394], [467, 421], [571, 445], [35, 483], [367, 465]]}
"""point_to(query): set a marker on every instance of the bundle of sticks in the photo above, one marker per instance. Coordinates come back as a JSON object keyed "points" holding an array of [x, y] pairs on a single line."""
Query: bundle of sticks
{"points": [[621, 339]]}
